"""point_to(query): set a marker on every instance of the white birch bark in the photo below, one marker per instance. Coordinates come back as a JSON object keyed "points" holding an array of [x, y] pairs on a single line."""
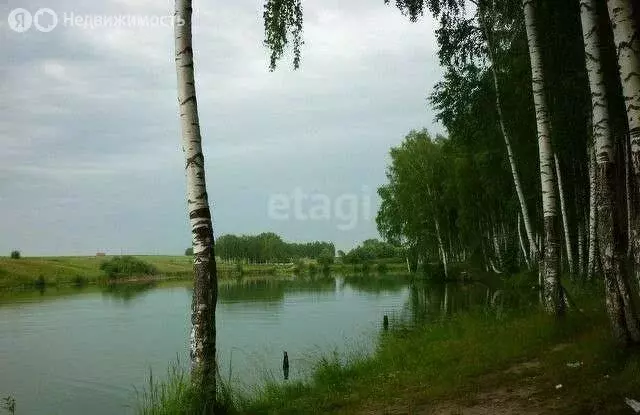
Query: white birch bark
{"points": [[580, 248], [565, 219], [525, 255], [619, 305], [443, 253], [533, 247], [591, 261], [628, 190], [627, 40], [496, 247], [203, 331], [554, 300]]}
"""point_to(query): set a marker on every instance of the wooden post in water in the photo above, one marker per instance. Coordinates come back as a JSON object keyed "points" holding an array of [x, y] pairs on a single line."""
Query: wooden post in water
{"points": [[385, 323], [285, 365]]}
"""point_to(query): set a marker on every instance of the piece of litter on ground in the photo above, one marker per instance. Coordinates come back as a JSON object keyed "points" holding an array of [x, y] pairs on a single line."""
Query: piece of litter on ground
{"points": [[635, 405], [559, 386], [606, 376], [574, 364]]}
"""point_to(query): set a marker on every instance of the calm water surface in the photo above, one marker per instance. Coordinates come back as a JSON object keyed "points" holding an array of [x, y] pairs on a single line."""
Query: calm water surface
{"points": [[86, 351]]}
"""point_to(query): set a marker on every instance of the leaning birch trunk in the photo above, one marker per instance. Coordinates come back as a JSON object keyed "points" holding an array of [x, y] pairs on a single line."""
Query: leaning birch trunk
{"points": [[565, 219], [593, 217], [620, 308], [443, 253], [205, 283], [533, 247], [627, 40], [554, 299], [522, 246]]}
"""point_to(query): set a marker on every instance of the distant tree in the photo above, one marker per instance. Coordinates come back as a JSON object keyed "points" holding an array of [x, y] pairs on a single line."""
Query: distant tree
{"points": [[15, 255], [188, 251], [326, 258]]}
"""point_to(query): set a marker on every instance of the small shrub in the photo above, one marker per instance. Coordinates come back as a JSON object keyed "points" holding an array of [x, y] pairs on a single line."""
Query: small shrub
{"points": [[188, 252], [15, 255], [126, 266], [40, 282], [298, 268], [80, 281], [382, 268], [313, 269], [366, 267], [239, 269]]}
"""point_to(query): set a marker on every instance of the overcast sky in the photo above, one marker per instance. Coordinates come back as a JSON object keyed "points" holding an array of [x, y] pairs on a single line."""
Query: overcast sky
{"points": [[91, 157]]}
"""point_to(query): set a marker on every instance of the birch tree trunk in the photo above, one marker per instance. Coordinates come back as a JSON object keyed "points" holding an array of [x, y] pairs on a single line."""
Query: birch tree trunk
{"points": [[627, 40], [205, 284], [533, 247], [618, 299], [522, 246], [496, 247], [593, 217], [580, 249], [554, 299], [565, 219], [629, 197], [443, 253]]}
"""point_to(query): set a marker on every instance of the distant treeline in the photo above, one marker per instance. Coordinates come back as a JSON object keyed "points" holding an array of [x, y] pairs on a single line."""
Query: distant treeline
{"points": [[269, 247]]}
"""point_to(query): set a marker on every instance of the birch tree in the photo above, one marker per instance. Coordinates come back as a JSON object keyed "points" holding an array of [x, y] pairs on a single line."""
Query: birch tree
{"points": [[565, 219], [617, 293], [205, 283], [627, 40], [553, 297], [591, 260], [533, 247]]}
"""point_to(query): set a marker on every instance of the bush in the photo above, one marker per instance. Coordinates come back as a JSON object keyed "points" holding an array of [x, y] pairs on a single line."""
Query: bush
{"points": [[126, 266], [80, 281], [239, 269], [40, 282], [326, 258], [188, 252], [382, 268], [298, 268], [15, 255]]}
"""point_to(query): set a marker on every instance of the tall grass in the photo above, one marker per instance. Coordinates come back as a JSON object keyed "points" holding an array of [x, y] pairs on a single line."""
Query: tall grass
{"points": [[177, 395]]}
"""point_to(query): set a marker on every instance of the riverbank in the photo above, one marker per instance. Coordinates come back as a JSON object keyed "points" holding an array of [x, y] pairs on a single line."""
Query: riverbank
{"points": [[36, 272], [478, 362]]}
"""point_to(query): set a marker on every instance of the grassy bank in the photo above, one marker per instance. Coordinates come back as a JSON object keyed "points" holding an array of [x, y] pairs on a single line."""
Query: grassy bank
{"points": [[520, 362], [35, 272]]}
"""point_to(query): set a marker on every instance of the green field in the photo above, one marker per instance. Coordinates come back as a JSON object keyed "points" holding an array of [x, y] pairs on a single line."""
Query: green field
{"points": [[30, 272]]}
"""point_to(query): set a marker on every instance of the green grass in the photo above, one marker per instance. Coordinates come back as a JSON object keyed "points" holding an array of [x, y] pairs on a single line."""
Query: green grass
{"points": [[176, 395]]}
